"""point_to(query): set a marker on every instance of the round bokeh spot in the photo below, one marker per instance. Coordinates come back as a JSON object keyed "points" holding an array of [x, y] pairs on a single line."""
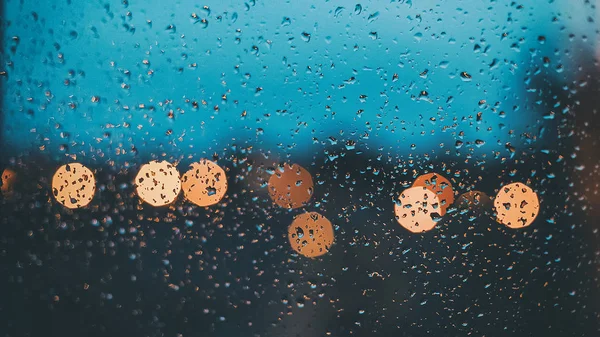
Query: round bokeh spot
{"points": [[290, 186], [417, 209], [73, 185], [9, 179], [158, 183], [517, 205], [205, 183], [440, 186], [311, 234]]}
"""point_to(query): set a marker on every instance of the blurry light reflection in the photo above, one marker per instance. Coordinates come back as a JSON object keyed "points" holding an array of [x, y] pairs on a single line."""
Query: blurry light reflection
{"points": [[9, 178], [311, 234], [158, 183], [517, 205], [440, 186], [73, 185], [205, 183], [291, 186], [417, 209]]}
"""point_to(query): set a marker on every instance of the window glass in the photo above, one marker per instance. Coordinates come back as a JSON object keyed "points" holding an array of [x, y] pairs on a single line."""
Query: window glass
{"points": [[299, 168]]}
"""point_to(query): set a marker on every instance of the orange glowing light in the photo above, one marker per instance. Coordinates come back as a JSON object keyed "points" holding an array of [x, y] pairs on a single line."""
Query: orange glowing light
{"points": [[73, 185], [417, 209], [517, 205], [291, 186], [311, 234], [158, 183], [9, 178], [205, 183], [440, 186]]}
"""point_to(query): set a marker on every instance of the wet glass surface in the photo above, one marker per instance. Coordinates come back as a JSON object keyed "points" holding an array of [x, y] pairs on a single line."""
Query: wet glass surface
{"points": [[301, 168]]}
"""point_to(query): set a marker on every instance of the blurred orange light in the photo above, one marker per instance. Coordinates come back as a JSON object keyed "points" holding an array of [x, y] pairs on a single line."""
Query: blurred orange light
{"points": [[205, 183], [440, 186], [9, 178], [311, 234], [517, 205], [158, 183], [291, 187], [73, 185], [417, 209]]}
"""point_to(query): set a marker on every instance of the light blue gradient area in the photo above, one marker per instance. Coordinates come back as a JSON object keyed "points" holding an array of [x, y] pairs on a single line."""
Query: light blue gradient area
{"points": [[307, 97]]}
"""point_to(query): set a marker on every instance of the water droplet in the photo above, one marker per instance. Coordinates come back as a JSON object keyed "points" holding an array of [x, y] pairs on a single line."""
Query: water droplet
{"points": [[305, 36], [357, 9]]}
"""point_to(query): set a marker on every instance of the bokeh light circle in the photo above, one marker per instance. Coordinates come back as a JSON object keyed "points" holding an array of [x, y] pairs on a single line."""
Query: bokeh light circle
{"points": [[439, 185], [311, 234], [517, 205], [205, 183], [417, 209], [73, 185], [291, 186], [158, 183], [9, 179]]}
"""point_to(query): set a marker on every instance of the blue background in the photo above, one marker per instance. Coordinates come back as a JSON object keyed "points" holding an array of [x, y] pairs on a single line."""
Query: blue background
{"points": [[310, 87]]}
